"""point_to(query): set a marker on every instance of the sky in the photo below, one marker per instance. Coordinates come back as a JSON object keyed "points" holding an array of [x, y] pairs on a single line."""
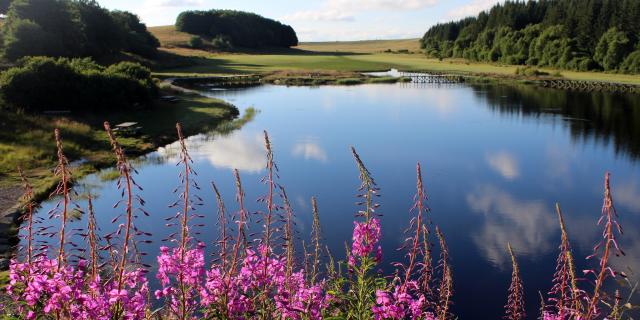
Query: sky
{"points": [[322, 20]]}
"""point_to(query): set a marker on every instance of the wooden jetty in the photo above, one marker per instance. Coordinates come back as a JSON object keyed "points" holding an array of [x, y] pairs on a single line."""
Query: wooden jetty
{"points": [[589, 86], [435, 78], [218, 81]]}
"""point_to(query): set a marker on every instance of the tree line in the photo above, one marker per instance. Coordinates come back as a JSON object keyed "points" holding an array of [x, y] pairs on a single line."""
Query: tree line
{"points": [[242, 29], [71, 28], [569, 34]]}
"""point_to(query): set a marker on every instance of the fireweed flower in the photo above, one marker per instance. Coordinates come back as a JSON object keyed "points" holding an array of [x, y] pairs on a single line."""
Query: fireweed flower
{"points": [[366, 236], [293, 297], [404, 302], [173, 266], [42, 287]]}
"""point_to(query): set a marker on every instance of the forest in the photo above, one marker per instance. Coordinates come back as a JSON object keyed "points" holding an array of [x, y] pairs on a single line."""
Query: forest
{"points": [[237, 28], [581, 35], [71, 28]]}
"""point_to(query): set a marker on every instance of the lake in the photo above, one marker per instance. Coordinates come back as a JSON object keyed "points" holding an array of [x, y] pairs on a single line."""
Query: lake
{"points": [[495, 160]]}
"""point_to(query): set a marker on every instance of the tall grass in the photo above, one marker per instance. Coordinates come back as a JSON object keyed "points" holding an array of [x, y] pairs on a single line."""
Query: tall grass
{"points": [[264, 278]]}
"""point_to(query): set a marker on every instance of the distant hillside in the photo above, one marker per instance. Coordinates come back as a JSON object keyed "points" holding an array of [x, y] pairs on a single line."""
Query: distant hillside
{"points": [[170, 37], [366, 46], [571, 34]]}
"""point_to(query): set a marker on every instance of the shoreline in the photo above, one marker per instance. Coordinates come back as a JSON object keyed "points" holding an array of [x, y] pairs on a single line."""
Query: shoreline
{"points": [[215, 112]]}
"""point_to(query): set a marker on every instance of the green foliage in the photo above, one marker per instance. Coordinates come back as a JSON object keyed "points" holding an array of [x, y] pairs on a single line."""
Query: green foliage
{"points": [[196, 42], [530, 72], [632, 63], [570, 34], [137, 39], [72, 28], [241, 28], [221, 43], [611, 49], [80, 85]]}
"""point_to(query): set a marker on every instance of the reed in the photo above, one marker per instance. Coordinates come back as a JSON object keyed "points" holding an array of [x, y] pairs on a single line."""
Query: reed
{"points": [[514, 308], [445, 290], [28, 205], [604, 249]]}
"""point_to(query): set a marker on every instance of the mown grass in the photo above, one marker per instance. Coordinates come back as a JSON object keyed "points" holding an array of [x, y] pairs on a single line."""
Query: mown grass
{"points": [[342, 56], [27, 140]]}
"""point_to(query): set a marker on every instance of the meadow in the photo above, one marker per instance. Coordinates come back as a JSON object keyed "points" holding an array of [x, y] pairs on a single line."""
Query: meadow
{"points": [[338, 56]]}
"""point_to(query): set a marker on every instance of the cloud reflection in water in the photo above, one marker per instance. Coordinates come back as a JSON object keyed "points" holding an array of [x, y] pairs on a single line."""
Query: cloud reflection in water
{"points": [[527, 224]]}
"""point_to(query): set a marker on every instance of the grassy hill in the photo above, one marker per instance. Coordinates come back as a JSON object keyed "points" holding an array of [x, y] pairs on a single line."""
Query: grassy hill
{"points": [[366, 46], [169, 36]]}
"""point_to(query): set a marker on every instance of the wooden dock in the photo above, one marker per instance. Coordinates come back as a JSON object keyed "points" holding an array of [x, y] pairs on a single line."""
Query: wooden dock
{"points": [[433, 78], [590, 86]]}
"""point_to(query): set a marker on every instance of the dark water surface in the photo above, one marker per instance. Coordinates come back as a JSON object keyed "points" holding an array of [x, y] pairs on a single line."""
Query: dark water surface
{"points": [[495, 160]]}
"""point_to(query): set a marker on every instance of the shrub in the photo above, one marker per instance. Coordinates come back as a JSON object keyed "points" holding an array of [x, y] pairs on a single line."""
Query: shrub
{"points": [[221, 43], [530, 72], [632, 63], [42, 83], [196, 42]]}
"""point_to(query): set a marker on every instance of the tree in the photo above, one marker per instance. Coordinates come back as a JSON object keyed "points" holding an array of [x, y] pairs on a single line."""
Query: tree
{"points": [[611, 49], [632, 63], [72, 28], [243, 29]]}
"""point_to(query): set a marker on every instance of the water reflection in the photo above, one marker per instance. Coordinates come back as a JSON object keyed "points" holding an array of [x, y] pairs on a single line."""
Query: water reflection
{"points": [[496, 160], [628, 195], [504, 163], [527, 224], [235, 150], [602, 116], [309, 150]]}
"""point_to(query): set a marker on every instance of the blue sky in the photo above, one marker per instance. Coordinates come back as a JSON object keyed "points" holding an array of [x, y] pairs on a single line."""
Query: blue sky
{"points": [[322, 20]]}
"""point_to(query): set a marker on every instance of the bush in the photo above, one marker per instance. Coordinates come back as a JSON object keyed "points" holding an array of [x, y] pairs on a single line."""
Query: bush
{"points": [[80, 85], [530, 72], [221, 43], [196, 42], [632, 63]]}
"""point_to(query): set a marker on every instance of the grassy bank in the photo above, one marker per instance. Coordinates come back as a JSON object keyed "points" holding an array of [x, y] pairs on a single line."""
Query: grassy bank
{"points": [[27, 140], [339, 56]]}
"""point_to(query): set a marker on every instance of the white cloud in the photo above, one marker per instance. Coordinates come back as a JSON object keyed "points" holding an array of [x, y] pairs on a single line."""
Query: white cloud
{"points": [[345, 10], [174, 3], [471, 9], [324, 15], [504, 163], [309, 150], [339, 34], [527, 224], [361, 5]]}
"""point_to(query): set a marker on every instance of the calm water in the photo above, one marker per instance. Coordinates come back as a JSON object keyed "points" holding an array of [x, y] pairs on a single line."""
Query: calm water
{"points": [[495, 160]]}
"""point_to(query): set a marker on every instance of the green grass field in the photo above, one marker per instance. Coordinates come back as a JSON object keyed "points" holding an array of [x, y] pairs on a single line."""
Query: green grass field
{"points": [[339, 56]]}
